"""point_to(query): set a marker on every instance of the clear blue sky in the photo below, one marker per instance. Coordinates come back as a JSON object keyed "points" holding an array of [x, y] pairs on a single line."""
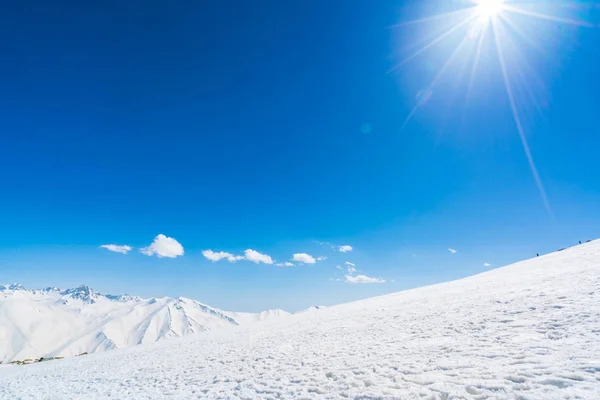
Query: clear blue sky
{"points": [[232, 125]]}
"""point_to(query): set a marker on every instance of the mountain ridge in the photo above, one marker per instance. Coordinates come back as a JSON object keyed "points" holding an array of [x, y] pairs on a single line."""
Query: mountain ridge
{"points": [[52, 322]]}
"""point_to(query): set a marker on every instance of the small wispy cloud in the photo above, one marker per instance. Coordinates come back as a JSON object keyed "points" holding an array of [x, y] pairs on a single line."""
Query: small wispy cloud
{"points": [[351, 270], [219, 255], [304, 258], [345, 248], [249, 255], [163, 246], [321, 258], [285, 264], [362, 279], [487, 264], [256, 257], [350, 264], [452, 250], [339, 267], [117, 248]]}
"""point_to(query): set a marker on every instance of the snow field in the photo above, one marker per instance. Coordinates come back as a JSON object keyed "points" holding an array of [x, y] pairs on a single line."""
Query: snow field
{"points": [[527, 331]]}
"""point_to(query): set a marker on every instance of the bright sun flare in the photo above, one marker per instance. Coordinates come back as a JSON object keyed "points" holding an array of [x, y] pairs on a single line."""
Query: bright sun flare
{"points": [[489, 8], [505, 25]]}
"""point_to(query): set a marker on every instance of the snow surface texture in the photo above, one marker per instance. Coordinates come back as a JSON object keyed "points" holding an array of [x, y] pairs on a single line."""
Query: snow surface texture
{"points": [[527, 331], [52, 322]]}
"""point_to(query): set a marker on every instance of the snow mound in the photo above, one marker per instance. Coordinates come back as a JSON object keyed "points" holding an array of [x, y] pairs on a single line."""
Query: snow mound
{"points": [[527, 331]]}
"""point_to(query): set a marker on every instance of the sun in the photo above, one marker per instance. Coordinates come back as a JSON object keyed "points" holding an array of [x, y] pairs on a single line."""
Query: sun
{"points": [[488, 9], [483, 27]]}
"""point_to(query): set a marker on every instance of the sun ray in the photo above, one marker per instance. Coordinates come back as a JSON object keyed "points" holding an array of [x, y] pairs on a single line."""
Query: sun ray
{"points": [[532, 97], [458, 78], [475, 62], [552, 18], [409, 117], [523, 60], [434, 81], [526, 38], [433, 42], [518, 124], [447, 63], [438, 29], [433, 18], [526, 72], [480, 40]]}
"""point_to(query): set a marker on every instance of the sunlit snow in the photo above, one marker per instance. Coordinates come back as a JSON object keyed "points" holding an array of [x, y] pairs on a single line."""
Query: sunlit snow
{"points": [[527, 331]]}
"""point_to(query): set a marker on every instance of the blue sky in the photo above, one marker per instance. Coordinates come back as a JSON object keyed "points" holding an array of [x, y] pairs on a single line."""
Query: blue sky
{"points": [[230, 127]]}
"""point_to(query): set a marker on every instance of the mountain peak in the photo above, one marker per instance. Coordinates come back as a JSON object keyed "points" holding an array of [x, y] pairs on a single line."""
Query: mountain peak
{"points": [[14, 286], [83, 292], [123, 297]]}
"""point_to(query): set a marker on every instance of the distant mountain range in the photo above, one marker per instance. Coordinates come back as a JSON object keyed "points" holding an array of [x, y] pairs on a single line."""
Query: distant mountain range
{"points": [[52, 322]]}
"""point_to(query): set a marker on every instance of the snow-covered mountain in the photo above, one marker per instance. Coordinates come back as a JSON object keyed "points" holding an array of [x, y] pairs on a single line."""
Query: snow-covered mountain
{"points": [[527, 331], [52, 322]]}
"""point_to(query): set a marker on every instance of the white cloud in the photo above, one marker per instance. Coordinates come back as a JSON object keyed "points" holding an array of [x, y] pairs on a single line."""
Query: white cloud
{"points": [[451, 250], [338, 267], [256, 257], [350, 264], [249, 255], [304, 258], [362, 279], [351, 270], [321, 258], [285, 264], [487, 264], [163, 247], [344, 249], [117, 248], [216, 256]]}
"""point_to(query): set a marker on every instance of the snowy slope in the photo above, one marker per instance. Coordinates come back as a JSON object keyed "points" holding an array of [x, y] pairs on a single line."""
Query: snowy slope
{"points": [[527, 331], [51, 322], [246, 318]]}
